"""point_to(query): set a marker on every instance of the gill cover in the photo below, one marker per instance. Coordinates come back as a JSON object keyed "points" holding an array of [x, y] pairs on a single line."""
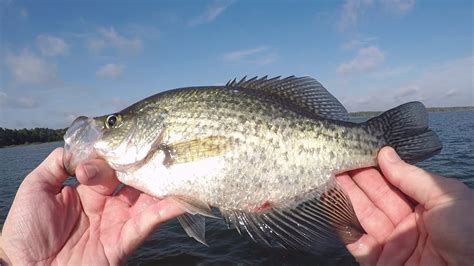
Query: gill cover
{"points": [[129, 141]]}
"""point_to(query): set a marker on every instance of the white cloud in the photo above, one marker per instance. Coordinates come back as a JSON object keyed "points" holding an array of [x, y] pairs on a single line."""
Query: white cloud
{"points": [[142, 31], [453, 92], [22, 102], [389, 72], [96, 45], [353, 10], [25, 102], [69, 117], [442, 85], [110, 71], [211, 13], [407, 92], [242, 54], [448, 83], [261, 55], [366, 60], [109, 38], [3, 100], [358, 43], [399, 6], [52, 46], [23, 13], [264, 60], [27, 68], [118, 103]]}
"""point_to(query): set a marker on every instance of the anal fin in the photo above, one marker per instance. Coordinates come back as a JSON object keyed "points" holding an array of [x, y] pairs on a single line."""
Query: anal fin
{"points": [[336, 206], [325, 220], [194, 226]]}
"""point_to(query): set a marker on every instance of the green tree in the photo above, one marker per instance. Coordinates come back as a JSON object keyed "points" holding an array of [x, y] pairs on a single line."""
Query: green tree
{"points": [[10, 137]]}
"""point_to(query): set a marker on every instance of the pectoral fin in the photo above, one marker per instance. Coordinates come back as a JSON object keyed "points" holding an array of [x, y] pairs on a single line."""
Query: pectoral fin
{"points": [[196, 149]]}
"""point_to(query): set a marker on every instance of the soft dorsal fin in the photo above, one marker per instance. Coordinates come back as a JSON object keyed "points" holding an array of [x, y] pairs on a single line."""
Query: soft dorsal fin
{"points": [[305, 92]]}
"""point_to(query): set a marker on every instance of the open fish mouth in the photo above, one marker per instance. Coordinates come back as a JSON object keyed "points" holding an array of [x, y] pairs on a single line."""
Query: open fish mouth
{"points": [[78, 142]]}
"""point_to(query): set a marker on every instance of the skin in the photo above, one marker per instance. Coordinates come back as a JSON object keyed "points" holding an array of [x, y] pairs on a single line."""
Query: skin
{"points": [[50, 224], [87, 225], [430, 223]]}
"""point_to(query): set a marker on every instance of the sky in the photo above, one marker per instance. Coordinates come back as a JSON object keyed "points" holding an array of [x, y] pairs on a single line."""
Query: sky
{"points": [[62, 59]]}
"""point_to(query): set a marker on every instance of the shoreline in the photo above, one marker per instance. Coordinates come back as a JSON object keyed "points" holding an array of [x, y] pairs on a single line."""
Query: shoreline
{"points": [[429, 109], [367, 114], [28, 144]]}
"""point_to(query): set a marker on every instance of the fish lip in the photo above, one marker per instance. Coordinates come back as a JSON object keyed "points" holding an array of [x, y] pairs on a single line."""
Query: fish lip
{"points": [[70, 169], [78, 142]]}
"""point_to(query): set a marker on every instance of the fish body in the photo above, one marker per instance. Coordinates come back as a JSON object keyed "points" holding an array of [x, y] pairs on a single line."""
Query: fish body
{"points": [[259, 150], [263, 151]]}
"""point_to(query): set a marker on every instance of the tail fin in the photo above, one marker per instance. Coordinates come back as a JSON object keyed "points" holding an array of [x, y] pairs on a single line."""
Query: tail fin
{"points": [[405, 128]]}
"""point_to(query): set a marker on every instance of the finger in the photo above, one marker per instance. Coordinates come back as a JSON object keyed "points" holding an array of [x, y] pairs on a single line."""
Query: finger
{"points": [[418, 184], [366, 250], [374, 221], [50, 174], [401, 244], [383, 195], [144, 223], [415, 258], [98, 176]]}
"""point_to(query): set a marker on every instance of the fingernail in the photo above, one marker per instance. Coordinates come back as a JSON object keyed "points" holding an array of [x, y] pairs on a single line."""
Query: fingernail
{"points": [[91, 170], [162, 212], [392, 156]]}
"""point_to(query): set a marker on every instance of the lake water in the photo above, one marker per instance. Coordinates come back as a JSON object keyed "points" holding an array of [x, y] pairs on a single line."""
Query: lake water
{"points": [[169, 245]]}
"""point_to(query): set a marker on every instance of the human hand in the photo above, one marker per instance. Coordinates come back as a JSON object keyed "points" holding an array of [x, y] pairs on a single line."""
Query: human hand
{"points": [[438, 230], [85, 224]]}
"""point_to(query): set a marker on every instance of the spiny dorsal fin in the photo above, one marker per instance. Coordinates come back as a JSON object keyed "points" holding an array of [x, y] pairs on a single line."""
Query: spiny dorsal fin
{"points": [[326, 220], [305, 92]]}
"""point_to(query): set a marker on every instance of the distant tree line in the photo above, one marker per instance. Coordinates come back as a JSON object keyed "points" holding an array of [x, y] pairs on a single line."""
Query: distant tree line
{"points": [[429, 109], [24, 136]]}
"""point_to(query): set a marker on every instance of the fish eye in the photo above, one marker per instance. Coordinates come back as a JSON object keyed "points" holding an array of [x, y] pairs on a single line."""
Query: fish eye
{"points": [[111, 120]]}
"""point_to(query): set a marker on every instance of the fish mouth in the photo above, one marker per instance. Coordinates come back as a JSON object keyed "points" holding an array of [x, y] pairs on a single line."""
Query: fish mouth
{"points": [[79, 142]]}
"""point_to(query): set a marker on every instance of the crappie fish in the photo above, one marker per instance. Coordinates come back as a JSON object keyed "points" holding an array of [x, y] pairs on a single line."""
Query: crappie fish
{"points": [[262, 151]]}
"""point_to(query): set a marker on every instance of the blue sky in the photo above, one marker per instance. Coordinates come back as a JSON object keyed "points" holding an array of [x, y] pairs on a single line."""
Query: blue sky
{"points": [[61, 59]]}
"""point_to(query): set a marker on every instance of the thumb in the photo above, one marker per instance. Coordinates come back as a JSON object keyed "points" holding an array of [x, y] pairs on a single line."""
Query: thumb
{"points": [[98, 176], [420, 185]]}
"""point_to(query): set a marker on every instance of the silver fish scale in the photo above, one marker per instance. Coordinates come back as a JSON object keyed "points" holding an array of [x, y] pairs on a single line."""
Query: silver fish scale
{"points": [[263, 151], [278, 154]]}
